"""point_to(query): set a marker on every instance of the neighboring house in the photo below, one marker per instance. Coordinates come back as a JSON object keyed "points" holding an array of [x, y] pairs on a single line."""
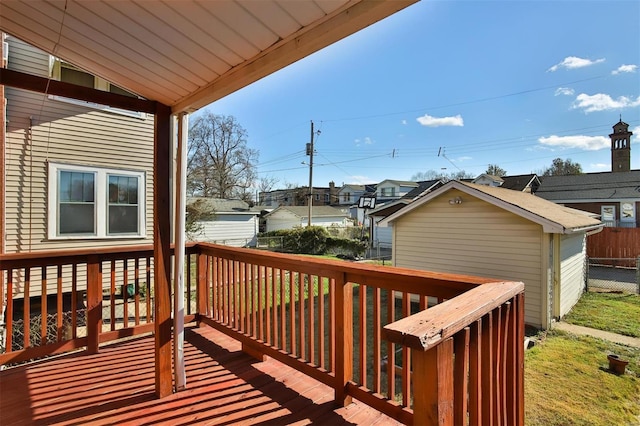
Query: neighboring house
{"points": [[228, 222], [299, 196], [523, 183], [349, 194], [77, 174], [286, 217], [388, 189], [381, 233], [499, 233], [615, 196]]}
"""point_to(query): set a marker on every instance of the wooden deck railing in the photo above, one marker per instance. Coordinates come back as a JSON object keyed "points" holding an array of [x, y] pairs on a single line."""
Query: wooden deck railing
{"points": [[326, 318], [402, 341]]}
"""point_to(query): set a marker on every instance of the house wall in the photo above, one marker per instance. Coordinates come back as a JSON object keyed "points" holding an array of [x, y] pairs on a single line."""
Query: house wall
{"points": [[232, 230], [282, 220], [42, 130], [474, 238], [572, 257]]}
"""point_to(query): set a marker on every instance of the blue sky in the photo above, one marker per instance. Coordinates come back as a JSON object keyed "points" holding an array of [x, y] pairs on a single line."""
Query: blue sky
{"points": [[449, 86]]}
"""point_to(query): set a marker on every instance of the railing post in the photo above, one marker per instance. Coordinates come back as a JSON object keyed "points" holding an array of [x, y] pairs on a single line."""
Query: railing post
{"points": [[94, 303], [344, 340], [433, 385]]}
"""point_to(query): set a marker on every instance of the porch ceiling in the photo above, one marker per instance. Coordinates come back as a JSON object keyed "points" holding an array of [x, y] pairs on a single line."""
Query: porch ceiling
{"points": [[188, 53]]}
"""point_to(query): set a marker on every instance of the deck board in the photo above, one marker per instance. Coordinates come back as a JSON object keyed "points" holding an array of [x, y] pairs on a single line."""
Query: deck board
{"points": [[224, 387]]}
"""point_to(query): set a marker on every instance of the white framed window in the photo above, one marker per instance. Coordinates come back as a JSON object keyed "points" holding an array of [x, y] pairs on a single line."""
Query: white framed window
{"points": [[92, 202], [627, 211], [64, 71]]}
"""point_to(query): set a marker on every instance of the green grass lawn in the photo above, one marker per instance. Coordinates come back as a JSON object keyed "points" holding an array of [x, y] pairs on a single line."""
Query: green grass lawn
{"points": [[614, 312], [567, 382], [567, 377]]}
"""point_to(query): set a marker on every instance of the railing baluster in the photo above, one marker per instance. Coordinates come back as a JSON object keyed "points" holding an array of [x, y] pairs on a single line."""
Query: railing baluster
{"points": [[148, 271], [43, 306], [461, 375], [27, 308], [487, 371], [391, 350], [74, 301], [125, 293], [311, 318], [362, 305], [94, 303], [497, 362], [321, 323], [136, 278], [377, 329], [283, 318], [112, 295], [475, 376], [59, 306], [406, 355], [301, 316], [9, 312]]}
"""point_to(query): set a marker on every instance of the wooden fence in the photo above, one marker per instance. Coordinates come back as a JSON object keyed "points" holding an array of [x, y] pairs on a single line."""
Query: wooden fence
{"points": [[614, 243]]}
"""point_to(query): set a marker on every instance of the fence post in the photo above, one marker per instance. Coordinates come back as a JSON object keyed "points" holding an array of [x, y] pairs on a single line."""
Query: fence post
{"points": [[343, 346], [94, 303]]}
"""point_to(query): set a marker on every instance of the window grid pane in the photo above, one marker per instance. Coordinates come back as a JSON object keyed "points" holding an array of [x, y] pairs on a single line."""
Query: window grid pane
{"points": [[123, 205]]}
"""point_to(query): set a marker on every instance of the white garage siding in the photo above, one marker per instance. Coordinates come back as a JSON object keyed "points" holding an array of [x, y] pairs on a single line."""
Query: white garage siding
{"points": [[474, 238], [231, 230], [572, 257]]}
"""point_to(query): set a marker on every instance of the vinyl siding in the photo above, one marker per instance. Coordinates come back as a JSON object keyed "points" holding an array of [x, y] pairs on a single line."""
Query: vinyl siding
{"points": [[233, 230], [42, 130], [474, 238], [572, 258]]}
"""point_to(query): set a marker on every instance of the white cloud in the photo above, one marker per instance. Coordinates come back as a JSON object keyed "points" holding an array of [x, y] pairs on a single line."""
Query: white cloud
{"points": [[429, 121], [624, 69], [573, 62], [404, 122], [364, 141], [601, 166], [588, 143], [461, 159], [567, 91], [603, 102], [636, 135]]}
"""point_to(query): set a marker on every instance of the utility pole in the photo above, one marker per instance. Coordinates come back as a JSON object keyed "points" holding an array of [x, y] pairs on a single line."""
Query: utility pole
{"points": [[310, 154]]}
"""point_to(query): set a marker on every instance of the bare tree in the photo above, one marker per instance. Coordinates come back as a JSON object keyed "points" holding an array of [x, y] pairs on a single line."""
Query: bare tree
{"points": [[495, 170], [220, 164]]}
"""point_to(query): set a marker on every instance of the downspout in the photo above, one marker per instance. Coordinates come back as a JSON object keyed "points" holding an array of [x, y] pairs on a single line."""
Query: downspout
{"points": [[179, 256]]}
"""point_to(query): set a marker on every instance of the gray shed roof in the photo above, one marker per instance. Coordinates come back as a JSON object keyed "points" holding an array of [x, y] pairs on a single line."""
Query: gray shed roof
{"points": [[553, 217], [591, 186]]}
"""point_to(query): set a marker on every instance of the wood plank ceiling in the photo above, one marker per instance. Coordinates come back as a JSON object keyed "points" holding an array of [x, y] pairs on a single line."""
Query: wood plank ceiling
{"points": [[187, 53]]}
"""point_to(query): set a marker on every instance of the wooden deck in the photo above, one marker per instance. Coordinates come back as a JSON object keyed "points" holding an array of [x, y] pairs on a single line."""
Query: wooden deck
{"points": [[224, 387]]}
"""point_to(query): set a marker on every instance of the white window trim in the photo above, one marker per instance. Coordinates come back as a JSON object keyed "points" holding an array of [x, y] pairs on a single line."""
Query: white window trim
{"points": [[101, 201], [631, 218]]}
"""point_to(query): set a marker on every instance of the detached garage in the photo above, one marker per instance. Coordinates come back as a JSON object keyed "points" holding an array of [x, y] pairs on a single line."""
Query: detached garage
{"points": [[499, 233]]}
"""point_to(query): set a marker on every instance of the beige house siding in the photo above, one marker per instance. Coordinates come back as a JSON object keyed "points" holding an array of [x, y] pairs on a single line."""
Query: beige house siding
{"points": [[572, 257], [479, 239], [42, 130]]}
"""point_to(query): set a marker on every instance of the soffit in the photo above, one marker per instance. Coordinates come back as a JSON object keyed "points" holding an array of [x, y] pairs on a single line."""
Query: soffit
{"points": [[187, 53]]}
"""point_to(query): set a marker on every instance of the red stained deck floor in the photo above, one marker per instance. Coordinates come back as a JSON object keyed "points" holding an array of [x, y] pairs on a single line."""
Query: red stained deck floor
{"points": [[224, 387]]}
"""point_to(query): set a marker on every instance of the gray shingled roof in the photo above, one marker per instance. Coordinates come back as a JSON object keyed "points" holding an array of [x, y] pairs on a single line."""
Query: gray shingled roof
{"points": [[553, 217], [591, 186]]}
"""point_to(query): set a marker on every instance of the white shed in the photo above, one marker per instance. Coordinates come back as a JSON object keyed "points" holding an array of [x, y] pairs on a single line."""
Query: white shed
{"points": [[288, 217], [498, 233], [228, 222]]}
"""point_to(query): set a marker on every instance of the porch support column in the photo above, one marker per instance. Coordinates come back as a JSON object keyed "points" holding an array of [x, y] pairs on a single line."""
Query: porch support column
{"points": [[162, 159], [179, 253]]}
